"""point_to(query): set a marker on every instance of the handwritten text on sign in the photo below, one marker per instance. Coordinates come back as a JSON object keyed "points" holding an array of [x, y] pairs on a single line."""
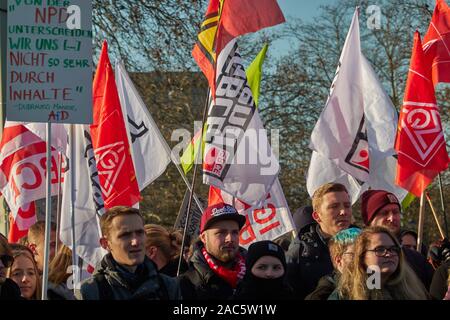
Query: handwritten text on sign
{"points": [[49, 61]]}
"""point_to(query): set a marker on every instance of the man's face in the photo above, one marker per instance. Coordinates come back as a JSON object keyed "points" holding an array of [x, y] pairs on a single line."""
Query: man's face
{"points": [[335, 212], [126, 240], [389, 217], [222, 240], [38, 249]]}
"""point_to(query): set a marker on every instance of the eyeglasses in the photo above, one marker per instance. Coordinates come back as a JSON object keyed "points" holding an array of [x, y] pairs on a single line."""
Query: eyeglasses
{"points": [[382, 251], [7, 260]]}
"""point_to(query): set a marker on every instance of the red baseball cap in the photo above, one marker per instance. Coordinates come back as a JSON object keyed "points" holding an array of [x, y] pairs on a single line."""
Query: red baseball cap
{"points": [[218, 212]]}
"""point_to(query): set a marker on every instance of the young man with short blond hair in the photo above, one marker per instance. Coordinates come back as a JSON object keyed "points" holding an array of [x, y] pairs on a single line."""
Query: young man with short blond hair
{"points": [[125, 273], [308, 255]]}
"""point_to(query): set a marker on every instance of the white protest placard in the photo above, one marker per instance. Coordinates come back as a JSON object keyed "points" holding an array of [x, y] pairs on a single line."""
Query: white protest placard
{"points": [[49, 61]]}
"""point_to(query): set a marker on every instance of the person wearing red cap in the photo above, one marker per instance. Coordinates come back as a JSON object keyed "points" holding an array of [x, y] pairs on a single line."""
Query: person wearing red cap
{"points": [[382, 208], [308, 256], [217, 264]]}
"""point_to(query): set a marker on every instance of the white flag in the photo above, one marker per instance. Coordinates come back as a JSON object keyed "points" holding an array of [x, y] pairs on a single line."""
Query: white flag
{"points": [[268, 221], [353, 140], [238, 158], [150, 152], [85, 193]]}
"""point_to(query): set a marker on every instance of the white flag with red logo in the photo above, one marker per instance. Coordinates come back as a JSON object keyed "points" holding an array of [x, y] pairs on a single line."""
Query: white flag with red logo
{"points": [[23, 167], [238, 157], [23, 220], [269, 221], [353, 140]]}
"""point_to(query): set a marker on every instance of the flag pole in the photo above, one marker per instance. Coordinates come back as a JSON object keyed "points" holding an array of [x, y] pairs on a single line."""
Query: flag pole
{"points": [[48, 212], [72, 202], [443, 205], [421, 222], [194, 179], [435, 215], [58, 204]]}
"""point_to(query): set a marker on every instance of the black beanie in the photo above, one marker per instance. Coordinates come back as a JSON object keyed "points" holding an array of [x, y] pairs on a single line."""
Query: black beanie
{"points": [[264, 248]]}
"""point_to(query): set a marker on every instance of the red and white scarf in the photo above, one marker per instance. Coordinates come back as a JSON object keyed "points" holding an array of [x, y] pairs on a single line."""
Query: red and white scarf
{"points": [[232, 276]]}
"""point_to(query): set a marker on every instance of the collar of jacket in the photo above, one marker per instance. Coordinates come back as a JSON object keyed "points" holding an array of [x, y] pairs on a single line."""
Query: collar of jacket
{"points": [[110, 267]]}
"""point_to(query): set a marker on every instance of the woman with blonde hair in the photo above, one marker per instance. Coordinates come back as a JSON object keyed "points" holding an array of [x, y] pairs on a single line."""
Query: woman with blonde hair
{"points": [[59, 274], [379, 270], [24, 272], [163, 248]]}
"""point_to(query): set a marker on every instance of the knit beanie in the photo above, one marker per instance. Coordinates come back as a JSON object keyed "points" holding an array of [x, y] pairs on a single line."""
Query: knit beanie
{"points": [[264, 248]]}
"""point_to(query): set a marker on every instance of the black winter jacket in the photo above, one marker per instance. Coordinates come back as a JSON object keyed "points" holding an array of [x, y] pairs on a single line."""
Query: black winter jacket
{"points": [[308, 260], [200, 282], [439, 284], [420, 265]]}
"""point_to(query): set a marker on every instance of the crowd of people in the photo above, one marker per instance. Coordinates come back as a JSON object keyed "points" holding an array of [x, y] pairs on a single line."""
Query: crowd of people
{"points": [[330, 258]]}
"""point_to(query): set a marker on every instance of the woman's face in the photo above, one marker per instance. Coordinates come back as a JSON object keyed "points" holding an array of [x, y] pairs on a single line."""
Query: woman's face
{"points": [[24, 274], [268, 267], [383, 253]]}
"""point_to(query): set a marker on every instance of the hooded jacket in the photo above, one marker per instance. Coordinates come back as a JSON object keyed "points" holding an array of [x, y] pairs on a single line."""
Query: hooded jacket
{"points": [[112, 282]]}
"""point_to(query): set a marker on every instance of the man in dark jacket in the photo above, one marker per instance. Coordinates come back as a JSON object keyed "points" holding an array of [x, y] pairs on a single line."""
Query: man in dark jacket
{"points": [[125, 273], [308, 256], [382, 208], [217, 264]]}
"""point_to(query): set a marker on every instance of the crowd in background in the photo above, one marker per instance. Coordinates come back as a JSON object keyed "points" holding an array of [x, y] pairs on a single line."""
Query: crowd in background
{"points": [[329, 259]]}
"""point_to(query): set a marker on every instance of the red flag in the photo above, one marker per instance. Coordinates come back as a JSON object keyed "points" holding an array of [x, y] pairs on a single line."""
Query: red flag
{"points": [[226, 20], [110, 141], [25, 218], [420, 140], [436, 43]]}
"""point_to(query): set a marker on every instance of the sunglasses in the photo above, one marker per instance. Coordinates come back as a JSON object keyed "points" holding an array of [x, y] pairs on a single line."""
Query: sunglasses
{"points": [[7, 260]]}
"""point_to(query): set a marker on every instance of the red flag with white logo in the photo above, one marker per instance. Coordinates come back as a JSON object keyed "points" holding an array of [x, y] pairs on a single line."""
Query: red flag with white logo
{"points": [[420, 140], [436, 43], [110, 140]]}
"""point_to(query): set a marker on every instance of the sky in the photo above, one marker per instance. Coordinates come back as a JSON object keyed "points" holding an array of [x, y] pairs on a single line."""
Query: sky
{"points": [[303, 9]]}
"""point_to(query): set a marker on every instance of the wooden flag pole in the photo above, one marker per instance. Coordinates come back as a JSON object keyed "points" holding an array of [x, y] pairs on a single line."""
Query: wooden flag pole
{"points": [[435, 216], [443, 205]]}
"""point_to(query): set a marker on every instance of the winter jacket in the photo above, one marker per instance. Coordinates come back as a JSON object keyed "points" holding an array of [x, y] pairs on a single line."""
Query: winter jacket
{"points": [[308, 260], [112, 282], [420, 265], [9, 290], [439, 284], [200, 282], [253, 288], [325, 287], [59, 292]]}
